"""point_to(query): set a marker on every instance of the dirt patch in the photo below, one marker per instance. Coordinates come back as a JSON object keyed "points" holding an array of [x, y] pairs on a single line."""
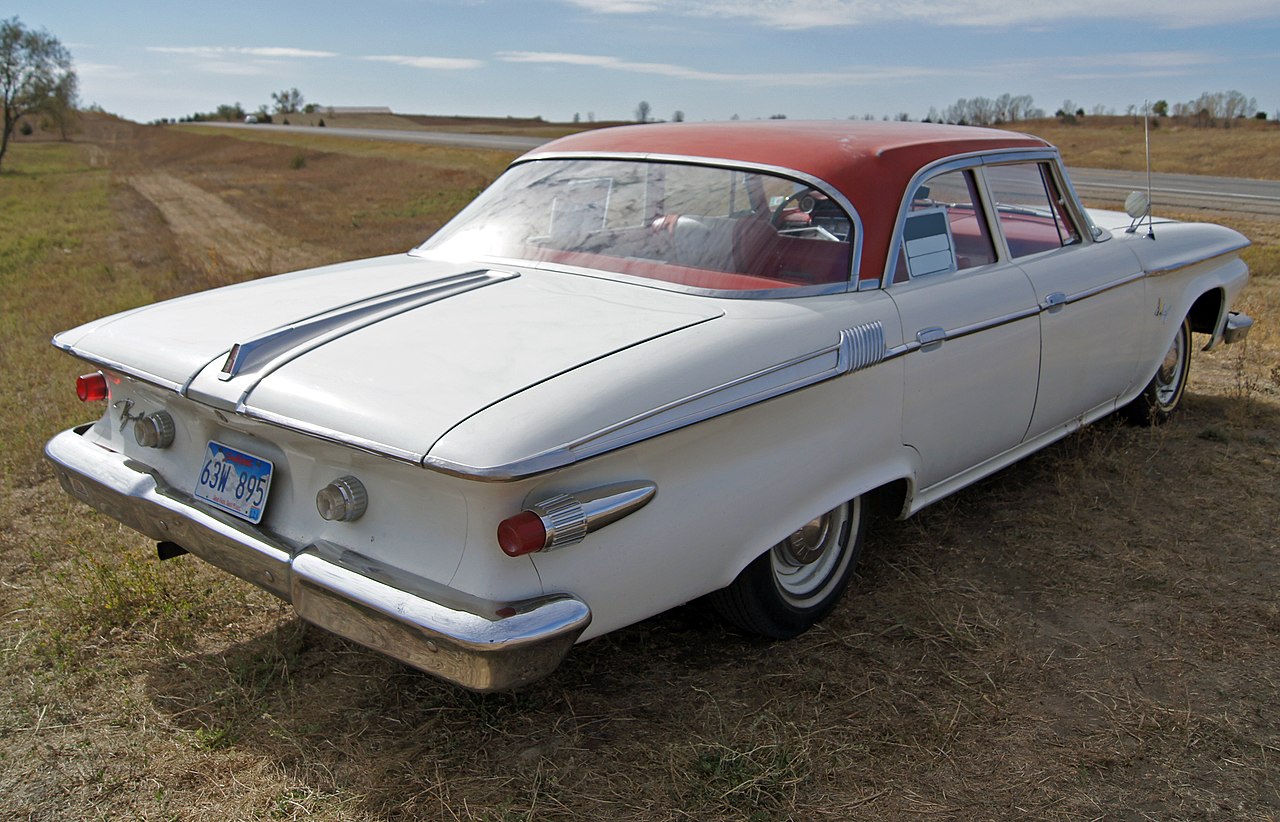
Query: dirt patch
{"points": [[216, 237]]}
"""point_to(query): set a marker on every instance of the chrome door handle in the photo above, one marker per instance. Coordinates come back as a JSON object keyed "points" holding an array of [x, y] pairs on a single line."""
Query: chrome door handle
{"points": [[931, 338], [1055, 301]]}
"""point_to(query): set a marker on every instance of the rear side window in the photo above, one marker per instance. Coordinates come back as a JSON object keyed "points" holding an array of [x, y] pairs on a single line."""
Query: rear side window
{"points": [[945, 228], [1031, 210]]}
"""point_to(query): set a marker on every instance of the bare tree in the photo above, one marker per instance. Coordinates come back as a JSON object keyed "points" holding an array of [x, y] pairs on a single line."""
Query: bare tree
{"points": [[643, 111], [288, 101], [35, 73]]}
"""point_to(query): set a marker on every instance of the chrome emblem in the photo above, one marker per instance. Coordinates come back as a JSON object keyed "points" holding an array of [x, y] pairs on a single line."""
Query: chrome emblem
{"points": [[125, 407]]}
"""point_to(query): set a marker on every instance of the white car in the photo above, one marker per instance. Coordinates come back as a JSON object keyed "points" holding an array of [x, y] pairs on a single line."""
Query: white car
{"points": [[648, 364]]}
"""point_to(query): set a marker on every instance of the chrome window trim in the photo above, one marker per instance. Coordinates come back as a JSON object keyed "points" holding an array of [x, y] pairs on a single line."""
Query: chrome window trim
{"points": [[858, 348], [959, 162], [1074, 209], [855, 259]]}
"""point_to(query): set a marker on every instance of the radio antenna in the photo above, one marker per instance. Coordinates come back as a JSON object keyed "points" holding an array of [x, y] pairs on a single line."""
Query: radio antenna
{"points": [[1146, 134], [1136, 205]]}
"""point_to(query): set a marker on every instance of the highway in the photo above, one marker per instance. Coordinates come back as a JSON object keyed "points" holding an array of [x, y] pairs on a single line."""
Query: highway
{"points": [[1176, 192]]}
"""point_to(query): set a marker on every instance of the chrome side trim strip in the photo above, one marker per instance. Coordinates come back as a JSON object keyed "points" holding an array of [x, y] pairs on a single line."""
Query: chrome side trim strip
{"points": [[1095, 291], [1170, 269], [994, 322], [858, 348]]}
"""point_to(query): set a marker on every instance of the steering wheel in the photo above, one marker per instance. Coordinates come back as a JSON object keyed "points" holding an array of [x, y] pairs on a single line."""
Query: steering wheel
{"points": [[804, 201]]}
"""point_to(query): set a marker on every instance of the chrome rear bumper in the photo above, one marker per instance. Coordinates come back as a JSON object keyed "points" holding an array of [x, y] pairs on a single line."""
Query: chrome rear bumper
{"points": [[476, 643]]}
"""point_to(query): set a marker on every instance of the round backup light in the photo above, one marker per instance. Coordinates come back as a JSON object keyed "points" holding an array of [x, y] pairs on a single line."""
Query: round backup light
{"points": [[155, 430], [522, 534], [91, 387], [343, 500]]}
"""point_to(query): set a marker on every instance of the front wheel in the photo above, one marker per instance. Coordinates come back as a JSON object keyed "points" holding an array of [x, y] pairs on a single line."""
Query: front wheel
{"points": [[793, 585], [1163, 395]]}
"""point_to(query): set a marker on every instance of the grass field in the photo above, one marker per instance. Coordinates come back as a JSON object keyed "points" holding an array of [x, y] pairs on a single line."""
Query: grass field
{"points": [[1091, 634]]}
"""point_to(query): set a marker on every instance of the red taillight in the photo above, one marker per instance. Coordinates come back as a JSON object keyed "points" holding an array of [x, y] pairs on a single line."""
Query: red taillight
{"points": [[91, 387], [522, 534]]}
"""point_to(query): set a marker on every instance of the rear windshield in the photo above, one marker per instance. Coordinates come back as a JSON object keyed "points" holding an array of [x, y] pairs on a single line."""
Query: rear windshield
{"points": [[691, 226]]}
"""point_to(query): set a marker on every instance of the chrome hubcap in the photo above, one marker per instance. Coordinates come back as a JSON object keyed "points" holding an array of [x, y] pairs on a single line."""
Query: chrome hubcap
{"points": [[804, 546], [811, 559], [1169, 376]]}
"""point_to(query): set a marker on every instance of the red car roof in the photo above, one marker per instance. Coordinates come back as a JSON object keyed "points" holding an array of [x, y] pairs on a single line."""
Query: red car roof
{"points": [[870, 163]]}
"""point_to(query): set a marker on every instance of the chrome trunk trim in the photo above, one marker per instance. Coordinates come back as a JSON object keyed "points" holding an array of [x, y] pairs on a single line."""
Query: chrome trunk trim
{"points": [[258, 357]]}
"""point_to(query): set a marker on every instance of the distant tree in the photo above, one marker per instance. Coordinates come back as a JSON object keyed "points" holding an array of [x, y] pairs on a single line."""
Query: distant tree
{"points": [[232, 113], [903, 117], [576, 118], [288, 101], [678, 117], [734, 117], [643, 111], [60, 109], [1160, 108], [777, 116], [1261, 115], [34, 66]]}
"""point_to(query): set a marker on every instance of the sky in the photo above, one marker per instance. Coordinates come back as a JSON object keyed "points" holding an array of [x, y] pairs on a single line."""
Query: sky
{"points": [[710, 59]]}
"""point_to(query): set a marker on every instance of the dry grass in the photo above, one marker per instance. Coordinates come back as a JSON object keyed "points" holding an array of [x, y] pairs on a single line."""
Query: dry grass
{"points": [[1251, 148], [1090, 634]]}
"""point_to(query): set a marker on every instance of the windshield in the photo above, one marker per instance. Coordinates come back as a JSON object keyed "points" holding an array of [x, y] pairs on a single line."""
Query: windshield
{"points": [[690, 226]]}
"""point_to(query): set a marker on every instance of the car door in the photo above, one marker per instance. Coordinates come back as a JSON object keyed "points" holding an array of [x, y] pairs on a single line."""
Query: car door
{"points": [[1091, 294], [971, 327]]}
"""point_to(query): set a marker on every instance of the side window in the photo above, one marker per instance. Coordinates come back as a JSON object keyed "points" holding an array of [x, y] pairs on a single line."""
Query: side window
{"points": [[1031, 210], [945, 229]]}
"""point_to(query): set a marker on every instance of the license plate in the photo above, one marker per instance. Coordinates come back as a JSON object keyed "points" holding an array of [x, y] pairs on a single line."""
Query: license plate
{"points": [[234, 481]]}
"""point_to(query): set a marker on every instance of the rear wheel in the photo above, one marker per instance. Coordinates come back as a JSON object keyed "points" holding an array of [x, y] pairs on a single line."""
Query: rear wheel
{"points": [[1163, 395], [793, 585]]}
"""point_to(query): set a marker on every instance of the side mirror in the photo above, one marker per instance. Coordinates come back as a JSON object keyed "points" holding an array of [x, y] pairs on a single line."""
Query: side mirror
{"points": [[1137, 205]]}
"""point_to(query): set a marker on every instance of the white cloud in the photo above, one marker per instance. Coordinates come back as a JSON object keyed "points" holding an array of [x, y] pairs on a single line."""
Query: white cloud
{"points": [[804, 14], [1109, 67], [847, 77], [432, 63], [232, 51]]}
